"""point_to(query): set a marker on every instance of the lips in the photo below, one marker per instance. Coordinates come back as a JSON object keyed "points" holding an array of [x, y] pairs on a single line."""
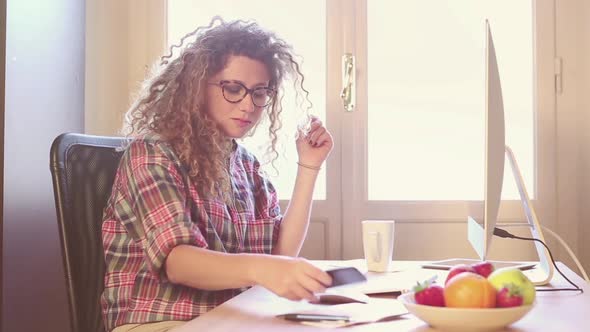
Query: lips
{"points": [[242, 122]]}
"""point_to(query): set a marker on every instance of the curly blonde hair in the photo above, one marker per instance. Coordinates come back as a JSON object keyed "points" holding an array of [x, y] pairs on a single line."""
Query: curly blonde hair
{"points": [[172, 103]]}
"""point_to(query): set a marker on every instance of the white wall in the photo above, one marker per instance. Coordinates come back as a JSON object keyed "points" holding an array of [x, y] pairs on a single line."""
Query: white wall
{"points": [[106, 65], [122, 39], [573, 123]]}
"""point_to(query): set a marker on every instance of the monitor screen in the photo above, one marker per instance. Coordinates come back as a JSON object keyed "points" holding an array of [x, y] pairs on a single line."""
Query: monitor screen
{"points": [[480, 232]]}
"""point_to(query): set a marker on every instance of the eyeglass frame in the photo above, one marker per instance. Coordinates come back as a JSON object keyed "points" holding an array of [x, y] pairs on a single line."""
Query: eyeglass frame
{"points": [[248, 91]]}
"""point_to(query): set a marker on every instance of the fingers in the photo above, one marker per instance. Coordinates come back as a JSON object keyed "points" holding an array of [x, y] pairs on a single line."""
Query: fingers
{"points": [[318, 275], [313, 137], [313, 287], [308, 285], [309, 280], [301, 287], [298, 292], [314, 125], [324, 138], [297, 279], [318, 134]]}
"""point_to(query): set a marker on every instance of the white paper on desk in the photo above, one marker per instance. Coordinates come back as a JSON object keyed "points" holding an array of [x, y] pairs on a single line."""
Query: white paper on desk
{"points": [[359, 313], [389, 282]]}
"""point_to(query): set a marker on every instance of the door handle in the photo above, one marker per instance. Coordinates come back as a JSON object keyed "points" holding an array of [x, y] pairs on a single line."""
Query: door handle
{"points": [[348, 93]]}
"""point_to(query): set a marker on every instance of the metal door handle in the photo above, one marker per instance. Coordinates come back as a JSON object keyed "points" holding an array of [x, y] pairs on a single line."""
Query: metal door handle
{"points": [[348, 93]]}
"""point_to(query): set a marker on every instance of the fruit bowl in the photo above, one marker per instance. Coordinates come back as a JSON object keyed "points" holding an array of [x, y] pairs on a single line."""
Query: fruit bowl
{"points": [[464, 319]]}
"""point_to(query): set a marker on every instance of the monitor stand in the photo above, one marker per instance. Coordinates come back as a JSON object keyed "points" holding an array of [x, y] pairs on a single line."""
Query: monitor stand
{"points": [[544, 273]]}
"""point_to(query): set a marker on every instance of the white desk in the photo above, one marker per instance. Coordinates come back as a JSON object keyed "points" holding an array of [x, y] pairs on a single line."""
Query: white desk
{"points": [[255, 310]]}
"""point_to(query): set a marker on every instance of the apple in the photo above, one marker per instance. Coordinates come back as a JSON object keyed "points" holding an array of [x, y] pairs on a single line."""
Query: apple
{"points": [[457, 269], [484, 268], [509, 297], [507, 276]]}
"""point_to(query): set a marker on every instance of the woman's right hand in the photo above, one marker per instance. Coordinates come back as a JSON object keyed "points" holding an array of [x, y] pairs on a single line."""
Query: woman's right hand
{"points": [[291, 278]]}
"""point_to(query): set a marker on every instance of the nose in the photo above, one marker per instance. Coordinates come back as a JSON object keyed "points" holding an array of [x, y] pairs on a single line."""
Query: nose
{"points": [[247, 105]]}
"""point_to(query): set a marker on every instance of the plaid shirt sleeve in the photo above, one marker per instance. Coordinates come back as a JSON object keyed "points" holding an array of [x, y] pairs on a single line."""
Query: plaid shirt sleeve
{"points": [[154, 187]]}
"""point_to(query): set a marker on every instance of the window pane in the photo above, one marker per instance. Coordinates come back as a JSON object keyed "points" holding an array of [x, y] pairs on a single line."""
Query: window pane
{"points": [[287, 19], [426, 87]]}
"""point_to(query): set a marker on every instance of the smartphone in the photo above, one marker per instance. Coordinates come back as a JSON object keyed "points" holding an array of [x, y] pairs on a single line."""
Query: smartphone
{"points": [[314, 317], [345, 275]]}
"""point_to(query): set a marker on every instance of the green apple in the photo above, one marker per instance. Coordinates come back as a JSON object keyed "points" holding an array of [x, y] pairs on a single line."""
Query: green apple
{"points": [[503, 277]]}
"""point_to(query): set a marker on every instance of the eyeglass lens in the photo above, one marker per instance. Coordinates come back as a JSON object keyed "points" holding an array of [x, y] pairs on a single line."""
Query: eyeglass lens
{"points": [[235, 92]]}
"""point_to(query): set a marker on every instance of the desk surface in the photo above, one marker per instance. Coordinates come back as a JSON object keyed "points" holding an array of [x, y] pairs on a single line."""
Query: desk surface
{"points": [[256, 308]]}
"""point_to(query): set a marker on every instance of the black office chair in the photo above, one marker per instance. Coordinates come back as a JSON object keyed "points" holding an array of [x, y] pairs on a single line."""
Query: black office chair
{"points": [[83, 169]]}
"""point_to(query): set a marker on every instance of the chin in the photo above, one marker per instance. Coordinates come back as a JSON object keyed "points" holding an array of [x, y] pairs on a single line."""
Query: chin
{"points": [[239, 132], [236, 134]]}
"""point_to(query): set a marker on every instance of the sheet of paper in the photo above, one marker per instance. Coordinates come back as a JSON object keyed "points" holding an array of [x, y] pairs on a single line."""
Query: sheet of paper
{"points": [[390, 282], [377, 309]]}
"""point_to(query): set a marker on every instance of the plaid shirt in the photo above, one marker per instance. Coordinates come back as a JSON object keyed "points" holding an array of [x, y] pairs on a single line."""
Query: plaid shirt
{"points": [[151, 210]]}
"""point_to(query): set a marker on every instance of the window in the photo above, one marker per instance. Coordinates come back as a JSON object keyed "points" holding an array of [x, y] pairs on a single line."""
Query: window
{"points": [[426, 96]]}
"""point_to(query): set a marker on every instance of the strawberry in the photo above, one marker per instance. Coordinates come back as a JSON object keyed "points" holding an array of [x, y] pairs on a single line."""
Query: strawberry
{"points": [[429, 293], [509, 296], [483, 268]]}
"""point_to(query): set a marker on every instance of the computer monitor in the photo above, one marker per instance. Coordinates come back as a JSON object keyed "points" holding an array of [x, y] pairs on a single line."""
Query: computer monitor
{"points": [[480, 234]]}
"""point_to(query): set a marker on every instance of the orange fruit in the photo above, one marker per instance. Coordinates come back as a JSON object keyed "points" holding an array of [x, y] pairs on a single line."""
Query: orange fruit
{"points": [[470, 290]]}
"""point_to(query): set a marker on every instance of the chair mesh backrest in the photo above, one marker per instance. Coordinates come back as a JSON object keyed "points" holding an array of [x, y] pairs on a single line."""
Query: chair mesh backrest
{"points": [[83, 168]]}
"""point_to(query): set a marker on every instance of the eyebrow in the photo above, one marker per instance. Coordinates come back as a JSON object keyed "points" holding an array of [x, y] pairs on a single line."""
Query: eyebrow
{"points": [[261, 84]]}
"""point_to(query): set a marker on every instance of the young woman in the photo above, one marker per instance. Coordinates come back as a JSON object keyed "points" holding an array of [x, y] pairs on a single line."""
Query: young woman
{"points": [[191, 221]]}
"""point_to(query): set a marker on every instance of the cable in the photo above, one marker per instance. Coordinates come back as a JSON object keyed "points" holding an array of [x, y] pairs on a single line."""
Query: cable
{"points": [[569, 251], [505, 234], [564, 244]]}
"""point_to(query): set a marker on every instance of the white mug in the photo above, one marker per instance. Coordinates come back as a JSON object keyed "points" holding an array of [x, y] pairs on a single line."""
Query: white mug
{"points": [[378, 244]]}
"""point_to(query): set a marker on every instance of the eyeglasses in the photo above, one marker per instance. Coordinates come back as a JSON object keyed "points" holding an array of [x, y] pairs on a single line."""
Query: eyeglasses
{"points": [[234, 92]]}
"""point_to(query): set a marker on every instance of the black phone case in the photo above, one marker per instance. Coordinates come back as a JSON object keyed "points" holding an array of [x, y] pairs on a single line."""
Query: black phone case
{"points": [[345, 275]]}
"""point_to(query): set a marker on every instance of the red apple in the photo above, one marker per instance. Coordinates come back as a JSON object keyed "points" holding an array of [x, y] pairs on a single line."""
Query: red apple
{"points": [[484, 268], [459, 268]]}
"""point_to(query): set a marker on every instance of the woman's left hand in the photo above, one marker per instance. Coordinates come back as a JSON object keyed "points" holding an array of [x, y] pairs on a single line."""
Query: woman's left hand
{"points": [[314, 148]]}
